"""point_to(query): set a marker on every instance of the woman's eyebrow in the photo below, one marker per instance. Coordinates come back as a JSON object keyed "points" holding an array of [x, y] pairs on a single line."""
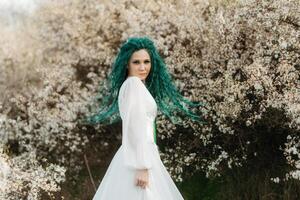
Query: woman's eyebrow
{"points": [[140, 59]]}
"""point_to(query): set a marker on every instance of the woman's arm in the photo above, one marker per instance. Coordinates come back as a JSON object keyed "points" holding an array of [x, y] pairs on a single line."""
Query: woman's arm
{"points": [[137, 149]]}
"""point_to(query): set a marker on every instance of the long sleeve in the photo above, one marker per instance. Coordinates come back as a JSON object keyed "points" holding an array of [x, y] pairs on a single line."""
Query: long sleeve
{"points": [[137, 146]]}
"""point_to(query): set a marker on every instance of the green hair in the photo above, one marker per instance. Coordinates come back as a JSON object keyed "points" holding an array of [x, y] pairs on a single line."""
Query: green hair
{"points": [[159, 83]]}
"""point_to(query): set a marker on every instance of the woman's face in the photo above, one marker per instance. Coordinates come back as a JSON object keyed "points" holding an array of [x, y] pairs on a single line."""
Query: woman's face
{"points": [[139, 64]]}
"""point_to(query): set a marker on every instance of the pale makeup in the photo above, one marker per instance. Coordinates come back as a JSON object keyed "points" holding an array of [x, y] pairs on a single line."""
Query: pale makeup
{"points": [[139, 64]]}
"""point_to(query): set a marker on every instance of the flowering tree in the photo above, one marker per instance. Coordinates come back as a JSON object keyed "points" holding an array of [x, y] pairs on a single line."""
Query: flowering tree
{"points": [[240, 58]]}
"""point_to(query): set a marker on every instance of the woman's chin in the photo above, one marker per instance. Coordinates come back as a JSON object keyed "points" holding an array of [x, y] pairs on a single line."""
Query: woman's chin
{"points": [[142, 77]]}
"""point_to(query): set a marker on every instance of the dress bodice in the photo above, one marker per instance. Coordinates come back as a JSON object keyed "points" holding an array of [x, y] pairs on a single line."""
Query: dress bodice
{"points": [[137, 90], [138, 110]]}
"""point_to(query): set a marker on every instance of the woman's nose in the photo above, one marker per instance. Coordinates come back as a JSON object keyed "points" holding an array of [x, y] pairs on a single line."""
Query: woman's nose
{"points": [[142, 66]]}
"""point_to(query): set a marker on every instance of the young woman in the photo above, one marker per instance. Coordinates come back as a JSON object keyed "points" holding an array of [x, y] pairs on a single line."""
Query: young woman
{"points": [[138, 85]]}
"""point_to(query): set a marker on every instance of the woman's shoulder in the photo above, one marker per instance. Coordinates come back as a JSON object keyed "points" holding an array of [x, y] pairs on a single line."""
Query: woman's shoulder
{"points": [[132, 81]]}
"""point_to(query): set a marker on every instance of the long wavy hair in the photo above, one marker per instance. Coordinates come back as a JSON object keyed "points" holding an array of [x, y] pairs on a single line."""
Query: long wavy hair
{"points": [[159, 83]]}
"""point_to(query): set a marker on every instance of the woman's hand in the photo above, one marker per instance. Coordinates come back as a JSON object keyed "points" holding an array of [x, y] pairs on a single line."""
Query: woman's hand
{"points": [[142, 178]]}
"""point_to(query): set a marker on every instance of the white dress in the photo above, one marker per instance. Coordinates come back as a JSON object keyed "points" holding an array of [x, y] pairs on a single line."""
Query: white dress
{"points": [[138, 110]]}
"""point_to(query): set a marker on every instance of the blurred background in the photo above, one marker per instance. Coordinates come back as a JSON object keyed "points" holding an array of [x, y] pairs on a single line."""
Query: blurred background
{"points": [[240, 57]]}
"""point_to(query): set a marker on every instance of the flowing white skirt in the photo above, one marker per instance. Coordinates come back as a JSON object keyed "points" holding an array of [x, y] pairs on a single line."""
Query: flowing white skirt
{"points": [[118, 182]]}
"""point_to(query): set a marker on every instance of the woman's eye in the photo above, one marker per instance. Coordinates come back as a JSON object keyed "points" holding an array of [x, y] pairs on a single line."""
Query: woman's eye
{"points": [[138, 62]]}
